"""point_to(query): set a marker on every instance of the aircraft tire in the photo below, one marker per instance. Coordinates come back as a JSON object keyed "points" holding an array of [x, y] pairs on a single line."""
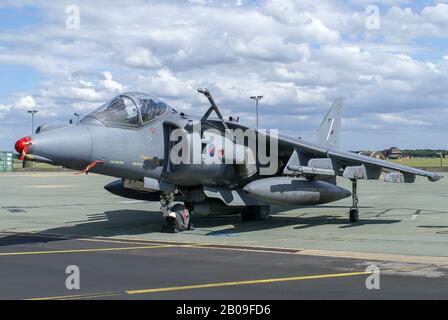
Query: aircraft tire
{"points": [[253, 213], [182, 222], [354, 215]]}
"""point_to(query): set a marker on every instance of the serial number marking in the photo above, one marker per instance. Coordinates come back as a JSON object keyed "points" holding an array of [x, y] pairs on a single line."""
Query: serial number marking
{"points": [[225, 310]]}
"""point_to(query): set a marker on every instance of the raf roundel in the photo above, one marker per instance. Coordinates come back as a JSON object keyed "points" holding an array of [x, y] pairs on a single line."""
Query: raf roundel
{"points": [[211, 150]]}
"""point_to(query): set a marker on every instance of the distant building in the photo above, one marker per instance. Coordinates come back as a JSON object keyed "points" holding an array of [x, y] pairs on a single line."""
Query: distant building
{"points": [[393, 153]]}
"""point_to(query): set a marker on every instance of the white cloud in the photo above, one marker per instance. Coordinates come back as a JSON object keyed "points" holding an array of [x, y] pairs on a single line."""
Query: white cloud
{"points": [[71, 93], [5, 107], [109, 84], [271, 49], [140, 58], [165, 83], [437, 14], [25, 103], [396, 119]]}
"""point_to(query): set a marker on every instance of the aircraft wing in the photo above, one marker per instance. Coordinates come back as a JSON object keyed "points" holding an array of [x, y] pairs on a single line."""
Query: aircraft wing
{"points": [[308, 157], [350, 157], [343, 159]]}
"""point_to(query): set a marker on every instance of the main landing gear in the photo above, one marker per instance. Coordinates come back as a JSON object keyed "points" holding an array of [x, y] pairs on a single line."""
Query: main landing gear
{"points": [[252, 213], [354, 211], [177, 217]]}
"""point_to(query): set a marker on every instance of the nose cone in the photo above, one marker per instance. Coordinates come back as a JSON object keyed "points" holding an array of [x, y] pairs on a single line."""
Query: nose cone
{"points": [[22, 145], [70, 146]]}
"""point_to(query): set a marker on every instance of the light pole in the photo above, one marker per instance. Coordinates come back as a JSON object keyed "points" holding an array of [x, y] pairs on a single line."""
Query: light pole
{"points": [[256, 98], [32, 112], [77, 115]]}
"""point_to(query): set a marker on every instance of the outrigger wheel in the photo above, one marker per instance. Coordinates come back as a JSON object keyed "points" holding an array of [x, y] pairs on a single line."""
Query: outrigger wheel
{"points": [[354, 211], [354, 215]]}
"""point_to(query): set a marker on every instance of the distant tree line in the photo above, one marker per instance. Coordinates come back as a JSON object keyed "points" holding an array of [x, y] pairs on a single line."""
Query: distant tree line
{"points": [[424, 153]]}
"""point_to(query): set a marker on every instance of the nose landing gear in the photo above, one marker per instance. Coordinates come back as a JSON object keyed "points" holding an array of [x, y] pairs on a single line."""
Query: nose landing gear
{"points": [[177, 217]]}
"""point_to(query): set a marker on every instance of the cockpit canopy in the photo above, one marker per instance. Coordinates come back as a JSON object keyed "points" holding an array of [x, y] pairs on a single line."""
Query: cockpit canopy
{"points": [[130, 109]]}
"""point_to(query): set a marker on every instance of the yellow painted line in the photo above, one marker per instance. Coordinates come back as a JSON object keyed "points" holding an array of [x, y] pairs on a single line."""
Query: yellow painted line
{"points": [[92, 296], [204, 286], [438, 260], [255, 250], [82, 250], [114, 241], [211, 245], [78, 296], [119, 239], [247, 282], [77, 238]]}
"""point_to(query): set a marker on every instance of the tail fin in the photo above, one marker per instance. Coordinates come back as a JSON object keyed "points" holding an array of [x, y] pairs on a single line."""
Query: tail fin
{"points": [[329, 132]]}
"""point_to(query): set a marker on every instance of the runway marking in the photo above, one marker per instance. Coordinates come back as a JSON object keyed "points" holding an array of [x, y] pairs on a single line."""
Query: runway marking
{"points": [[205, 286], [241, 248], [78, 238], [111, 241], [247, 282], [437, 260], [2, 254], [78, 296]]}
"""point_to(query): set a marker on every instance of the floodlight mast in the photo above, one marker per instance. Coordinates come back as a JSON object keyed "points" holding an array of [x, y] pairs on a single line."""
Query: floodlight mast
{"points": [[256, 98]]}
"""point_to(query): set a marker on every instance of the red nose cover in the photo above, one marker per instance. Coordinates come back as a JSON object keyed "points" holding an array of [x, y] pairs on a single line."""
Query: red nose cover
{"points": [[22, 146]]}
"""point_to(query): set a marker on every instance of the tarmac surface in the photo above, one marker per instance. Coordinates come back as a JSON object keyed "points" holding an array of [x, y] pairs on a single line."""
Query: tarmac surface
{"points": [[49, 221]]}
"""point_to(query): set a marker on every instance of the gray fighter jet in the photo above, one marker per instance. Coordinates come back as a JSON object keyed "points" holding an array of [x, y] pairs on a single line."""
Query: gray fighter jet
{"points": [[204, 165]]}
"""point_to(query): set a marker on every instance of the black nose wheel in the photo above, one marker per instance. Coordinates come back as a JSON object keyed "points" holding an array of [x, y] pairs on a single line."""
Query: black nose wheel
{"points": [[354, 211], [177, 217], [182, 219]]}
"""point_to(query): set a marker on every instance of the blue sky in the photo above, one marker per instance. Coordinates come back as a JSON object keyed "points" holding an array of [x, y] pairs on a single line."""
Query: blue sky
{"points": [[299, 54], [13, 18], [17, 77]]}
